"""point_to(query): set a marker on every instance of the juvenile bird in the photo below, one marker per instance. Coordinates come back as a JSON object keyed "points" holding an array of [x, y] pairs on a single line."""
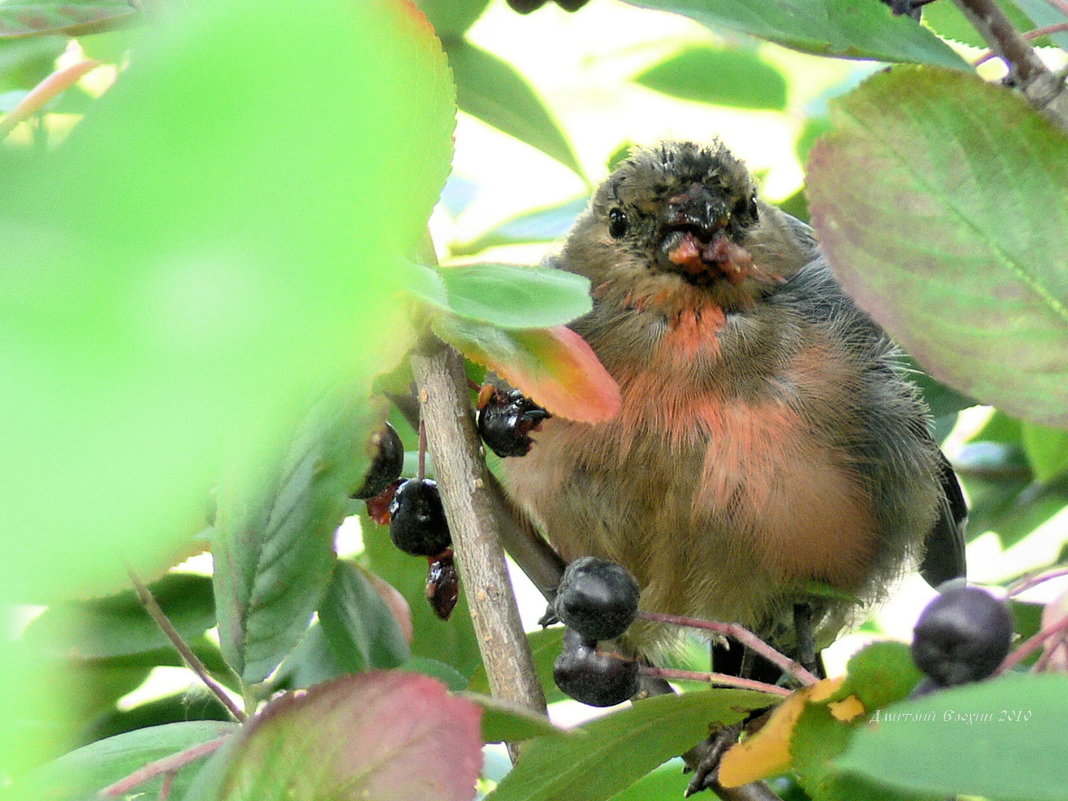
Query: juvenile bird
{"points": [[769, 444]]}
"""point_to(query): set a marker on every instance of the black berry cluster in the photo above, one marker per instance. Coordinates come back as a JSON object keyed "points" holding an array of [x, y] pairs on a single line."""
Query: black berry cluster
{"points": [[962, 636], [597, 600]]}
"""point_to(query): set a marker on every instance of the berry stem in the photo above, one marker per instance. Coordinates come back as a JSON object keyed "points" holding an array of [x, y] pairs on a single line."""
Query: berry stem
{"points": [[1032, 644], [742, 635], [714, 678]]}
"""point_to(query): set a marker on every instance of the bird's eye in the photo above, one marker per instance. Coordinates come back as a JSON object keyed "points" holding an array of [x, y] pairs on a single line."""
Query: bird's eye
{"points": [[617, 223], [746, 209]]}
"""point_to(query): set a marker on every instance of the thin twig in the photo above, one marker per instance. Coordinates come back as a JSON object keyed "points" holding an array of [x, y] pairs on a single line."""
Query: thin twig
{"points": [[714, 678], [55, 84], [1030, 36], [162, 767], [1044, 90], [1032, 644], [148, 601], [742, 635], [1032, 580], [1060, 5]]}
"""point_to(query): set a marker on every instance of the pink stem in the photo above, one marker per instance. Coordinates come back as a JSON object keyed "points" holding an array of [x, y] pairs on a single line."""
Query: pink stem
{"points": [[742, 635]]}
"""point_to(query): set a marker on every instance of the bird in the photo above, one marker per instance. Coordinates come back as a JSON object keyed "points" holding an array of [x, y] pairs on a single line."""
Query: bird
{"points": [[771, 463]]}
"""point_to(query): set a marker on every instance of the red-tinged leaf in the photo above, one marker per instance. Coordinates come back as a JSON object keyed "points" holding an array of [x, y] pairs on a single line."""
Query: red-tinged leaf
{"points": [[379, 736], [553, 366], [939, 201]]}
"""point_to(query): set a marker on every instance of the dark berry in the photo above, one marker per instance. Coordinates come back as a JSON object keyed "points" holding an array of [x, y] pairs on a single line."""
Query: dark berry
{"points": [[571, 5], [388, 462], [505, 420], [597, 678], [417, 519], [597, 598], [443, 585], [962, 636]]}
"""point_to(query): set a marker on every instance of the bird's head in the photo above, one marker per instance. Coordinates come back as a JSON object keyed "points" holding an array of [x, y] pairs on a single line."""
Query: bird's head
{"points": [[680, 213]]}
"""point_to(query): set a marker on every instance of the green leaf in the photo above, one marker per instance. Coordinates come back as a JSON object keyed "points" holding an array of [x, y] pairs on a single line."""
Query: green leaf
{"points": [[452, 642], [506, 722], [843, 28], [451, 18], [275, 529], [553, 366], [492, 90], [542, 225], [1039, 13], [119, 625], [911, 196], [880, 674], [941, 399], [545, 646], [1047, 450], [723, 77], [612, 752], [359, 627], [81, 773], [1005, 740], [241, 256], [510, 296], [36, 17], [371, 737]]}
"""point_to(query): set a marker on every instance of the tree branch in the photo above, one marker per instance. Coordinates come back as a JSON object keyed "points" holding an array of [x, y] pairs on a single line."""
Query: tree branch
{"points": [[1042, 88], [473, 522], [148, 601]]}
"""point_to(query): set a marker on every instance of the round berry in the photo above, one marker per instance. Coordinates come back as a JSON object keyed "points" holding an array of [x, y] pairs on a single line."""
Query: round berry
{"points": [[388, 462], [597, 678], [417, 519], [505, 421], [597, 598], [962, 636]]}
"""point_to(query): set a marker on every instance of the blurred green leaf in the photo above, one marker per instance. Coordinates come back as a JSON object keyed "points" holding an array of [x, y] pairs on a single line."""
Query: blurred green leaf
{"points": [[843, 28], [452, 642], [1047, 450], [980, 304], [543, 225], [610, 753], [359, 627], [511, 296], [119, 625], [722, 77], [26, 62], [380, 735], [275, 529], [553, 366], [141, 332], [666, 783], [1007, 739], [451, 18], [506, 722], [493, 91], [36, 17], [81, 773]]}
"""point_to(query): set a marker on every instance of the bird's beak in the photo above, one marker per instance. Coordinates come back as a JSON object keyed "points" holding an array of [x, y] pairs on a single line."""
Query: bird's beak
{"points": [[697, 210]]}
